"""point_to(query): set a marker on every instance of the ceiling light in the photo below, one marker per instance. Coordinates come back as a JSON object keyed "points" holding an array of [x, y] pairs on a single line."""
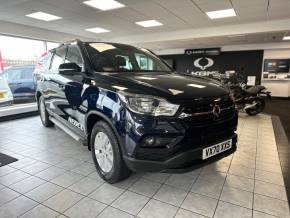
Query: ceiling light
{"points": [[98, 30], [43, 16], [104, 5], [221, 13], [149, 23], [286, 38]]}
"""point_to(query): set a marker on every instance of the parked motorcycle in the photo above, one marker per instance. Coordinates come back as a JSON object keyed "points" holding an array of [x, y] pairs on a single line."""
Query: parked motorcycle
{"points": [[251, 100]]}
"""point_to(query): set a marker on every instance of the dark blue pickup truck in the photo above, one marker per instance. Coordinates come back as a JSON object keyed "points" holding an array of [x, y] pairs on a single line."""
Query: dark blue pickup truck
{"points": [[132, 111]]}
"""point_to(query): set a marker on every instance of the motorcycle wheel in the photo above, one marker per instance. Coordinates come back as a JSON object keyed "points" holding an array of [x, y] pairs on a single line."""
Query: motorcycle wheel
{"points": [[260, 105]]}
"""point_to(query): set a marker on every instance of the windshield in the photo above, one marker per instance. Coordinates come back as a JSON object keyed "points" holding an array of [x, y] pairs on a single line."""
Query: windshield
{"points": [[124, 58]]}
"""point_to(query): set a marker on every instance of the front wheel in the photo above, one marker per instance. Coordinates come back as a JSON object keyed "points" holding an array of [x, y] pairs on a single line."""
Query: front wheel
{"points": [[107, 154], [258, 108]]}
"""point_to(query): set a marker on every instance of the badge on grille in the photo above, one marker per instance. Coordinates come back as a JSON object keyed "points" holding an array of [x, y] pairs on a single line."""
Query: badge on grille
{"points": [[216, 111]]}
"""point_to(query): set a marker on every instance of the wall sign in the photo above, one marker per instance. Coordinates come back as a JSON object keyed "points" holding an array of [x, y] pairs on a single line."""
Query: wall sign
{"points": [[203, 51], [244, 63]]}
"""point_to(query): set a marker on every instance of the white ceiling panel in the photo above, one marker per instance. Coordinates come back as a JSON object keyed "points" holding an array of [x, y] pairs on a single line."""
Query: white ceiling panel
{"points": [[176, 15]]}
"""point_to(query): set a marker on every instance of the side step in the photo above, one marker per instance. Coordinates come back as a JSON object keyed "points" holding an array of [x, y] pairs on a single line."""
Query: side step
{"points": [[66, 129]]}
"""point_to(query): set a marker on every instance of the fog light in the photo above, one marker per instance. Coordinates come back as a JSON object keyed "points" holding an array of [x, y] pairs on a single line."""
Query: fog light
{"points": [[149, 141]]}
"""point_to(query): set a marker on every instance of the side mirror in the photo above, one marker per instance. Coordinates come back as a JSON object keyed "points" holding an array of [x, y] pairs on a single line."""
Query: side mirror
{"points": [[69, 69]]}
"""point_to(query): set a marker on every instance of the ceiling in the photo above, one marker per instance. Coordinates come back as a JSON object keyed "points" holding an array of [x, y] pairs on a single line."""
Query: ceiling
{"points": [[178, 17]]}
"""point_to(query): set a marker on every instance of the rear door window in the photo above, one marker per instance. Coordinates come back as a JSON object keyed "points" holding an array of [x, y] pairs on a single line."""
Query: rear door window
{"points": [[74, 56], [58, 58]]}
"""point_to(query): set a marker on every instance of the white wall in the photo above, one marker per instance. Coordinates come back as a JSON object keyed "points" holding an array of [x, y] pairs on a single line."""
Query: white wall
{"points": [[279, 88], [277, 53]]}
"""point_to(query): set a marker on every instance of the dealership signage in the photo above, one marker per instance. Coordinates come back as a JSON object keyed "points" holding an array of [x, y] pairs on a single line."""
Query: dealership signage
{"points": [[203, 64], [203, 51]]}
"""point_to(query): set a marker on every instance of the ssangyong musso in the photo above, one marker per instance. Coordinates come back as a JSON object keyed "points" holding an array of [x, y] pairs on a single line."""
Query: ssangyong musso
{"points": [[132, 111]]}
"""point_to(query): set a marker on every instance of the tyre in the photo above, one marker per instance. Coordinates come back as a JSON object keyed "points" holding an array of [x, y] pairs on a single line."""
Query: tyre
{"points": [[260, 105], [44, 116], [107, 154]]}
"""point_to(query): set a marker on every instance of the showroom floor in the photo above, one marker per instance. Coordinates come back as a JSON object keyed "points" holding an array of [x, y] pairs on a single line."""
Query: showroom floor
{"points": [[55, 177]]}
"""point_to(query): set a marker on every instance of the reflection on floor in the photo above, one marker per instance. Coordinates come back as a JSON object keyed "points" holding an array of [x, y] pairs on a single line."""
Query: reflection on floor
{"points": [[55, 176]]}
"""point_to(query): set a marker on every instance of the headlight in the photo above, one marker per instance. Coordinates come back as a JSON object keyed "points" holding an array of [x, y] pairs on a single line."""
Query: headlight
{"points": [[144, 104]]}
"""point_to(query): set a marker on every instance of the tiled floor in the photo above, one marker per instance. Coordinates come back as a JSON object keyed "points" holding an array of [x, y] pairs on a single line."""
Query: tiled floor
{"points": [[55, 177]]}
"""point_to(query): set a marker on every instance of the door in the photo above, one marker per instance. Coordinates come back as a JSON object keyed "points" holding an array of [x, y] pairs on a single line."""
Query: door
{"points": [[74, 88], [55, 99]]}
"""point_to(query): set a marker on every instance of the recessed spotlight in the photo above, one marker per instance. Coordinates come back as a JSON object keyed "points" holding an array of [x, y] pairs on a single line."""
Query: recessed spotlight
{"points": [[43, 16], [221, 13], [98, 30], [286, 38], [149, 23], [104, 5]]}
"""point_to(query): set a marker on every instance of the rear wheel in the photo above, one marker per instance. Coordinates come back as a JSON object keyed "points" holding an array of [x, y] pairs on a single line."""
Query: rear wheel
{"points": [[258, 108], [107, 154], [44, 116]]}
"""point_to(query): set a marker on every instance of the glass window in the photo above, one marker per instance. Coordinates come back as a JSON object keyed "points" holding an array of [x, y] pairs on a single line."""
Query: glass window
{"points": [[27, 73], [123, 58], [51, 45], [74, 56], [58, 58], [18, 73]]}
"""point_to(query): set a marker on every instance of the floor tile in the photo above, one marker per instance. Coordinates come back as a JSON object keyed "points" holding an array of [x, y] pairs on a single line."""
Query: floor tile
{"points": [[240, 170], [70, 164], [27, 184], [85, 208], [227, 210], [4, 170], [271, 206], [13, 177], [180, 181], [130, 202], [40, 211], [85, 186], [106, 193], [238, 197], [187, 214], [218, 177], [35, 168], [145, 187], [22, 163], [63, 200], [200, 204], [50, 173], [208, 188], [271, 190], [66, 179], [43, 192], [157, 177], [84, 169], [157, 209], [16, 207], [170, 195], [270, 177], [7, 195], [258, 214], [111, 212], [240, 183]]}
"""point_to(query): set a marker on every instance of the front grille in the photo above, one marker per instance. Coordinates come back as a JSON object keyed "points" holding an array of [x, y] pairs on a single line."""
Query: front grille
{"points": [[202, 128]]}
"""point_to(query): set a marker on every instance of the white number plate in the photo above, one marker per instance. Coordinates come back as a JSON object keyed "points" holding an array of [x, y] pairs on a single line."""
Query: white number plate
{"points": [[216, 149]]}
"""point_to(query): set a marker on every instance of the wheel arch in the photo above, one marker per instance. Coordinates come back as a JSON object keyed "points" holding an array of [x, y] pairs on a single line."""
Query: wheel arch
{"points": [[94, 116]]}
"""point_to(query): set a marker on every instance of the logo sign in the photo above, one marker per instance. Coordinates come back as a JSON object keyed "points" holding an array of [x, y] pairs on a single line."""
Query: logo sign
{"points": [[208, 63], [216, 111], [203, 51]]}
